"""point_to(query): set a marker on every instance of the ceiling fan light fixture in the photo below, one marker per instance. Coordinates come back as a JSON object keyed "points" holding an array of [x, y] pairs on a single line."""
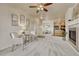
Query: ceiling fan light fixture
{"points": [[41, 6], [42, 9], [38, 8]]}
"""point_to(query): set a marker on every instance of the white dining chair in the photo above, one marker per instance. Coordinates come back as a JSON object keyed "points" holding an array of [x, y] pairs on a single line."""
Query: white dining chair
{"points": [[15, 40]]}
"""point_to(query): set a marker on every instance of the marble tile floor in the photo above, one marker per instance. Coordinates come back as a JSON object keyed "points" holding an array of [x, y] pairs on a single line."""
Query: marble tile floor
{"points": [[48, 46]]}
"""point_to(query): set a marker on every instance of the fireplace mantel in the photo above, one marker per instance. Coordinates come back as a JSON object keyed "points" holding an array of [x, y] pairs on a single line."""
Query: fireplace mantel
{"points": [[73, 22]]}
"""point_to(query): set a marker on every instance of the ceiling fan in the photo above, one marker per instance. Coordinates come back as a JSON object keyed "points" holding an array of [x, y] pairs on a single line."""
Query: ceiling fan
{"points": [[41, 7]]}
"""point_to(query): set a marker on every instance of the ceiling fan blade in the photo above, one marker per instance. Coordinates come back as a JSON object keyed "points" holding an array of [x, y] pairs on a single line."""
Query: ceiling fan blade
{"points": [[32, 6], [45, 9], [47, 4]]}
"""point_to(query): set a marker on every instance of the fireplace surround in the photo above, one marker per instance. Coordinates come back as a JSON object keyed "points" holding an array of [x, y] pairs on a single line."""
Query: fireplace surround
{"points": [[73, 32], [72, 35]]}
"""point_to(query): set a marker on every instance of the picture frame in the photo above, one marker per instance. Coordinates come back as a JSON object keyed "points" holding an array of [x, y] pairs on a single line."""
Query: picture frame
{"points": [[14, 19], [27, 22], [22, 20]]}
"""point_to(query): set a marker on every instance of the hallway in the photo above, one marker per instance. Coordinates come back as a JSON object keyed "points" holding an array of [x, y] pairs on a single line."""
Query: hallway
{"points": [[49, 46]]}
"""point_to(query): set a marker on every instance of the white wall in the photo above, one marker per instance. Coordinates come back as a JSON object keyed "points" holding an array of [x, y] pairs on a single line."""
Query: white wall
{"points": [[5, 24]]}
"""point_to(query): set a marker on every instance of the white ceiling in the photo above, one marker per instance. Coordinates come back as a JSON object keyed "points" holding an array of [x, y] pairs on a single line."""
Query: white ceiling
{"points": [[55, 10]]}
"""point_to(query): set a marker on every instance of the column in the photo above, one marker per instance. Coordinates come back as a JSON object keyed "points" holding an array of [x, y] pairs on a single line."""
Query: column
{"points": [[77, 37]]}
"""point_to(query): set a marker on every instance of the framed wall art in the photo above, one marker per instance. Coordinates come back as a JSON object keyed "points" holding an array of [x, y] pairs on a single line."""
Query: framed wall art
{"points": [[14, 18], [22, 20]]}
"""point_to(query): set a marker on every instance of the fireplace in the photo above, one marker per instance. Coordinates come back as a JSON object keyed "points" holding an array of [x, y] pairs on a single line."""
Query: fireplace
{"points": [[72, 35]]}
